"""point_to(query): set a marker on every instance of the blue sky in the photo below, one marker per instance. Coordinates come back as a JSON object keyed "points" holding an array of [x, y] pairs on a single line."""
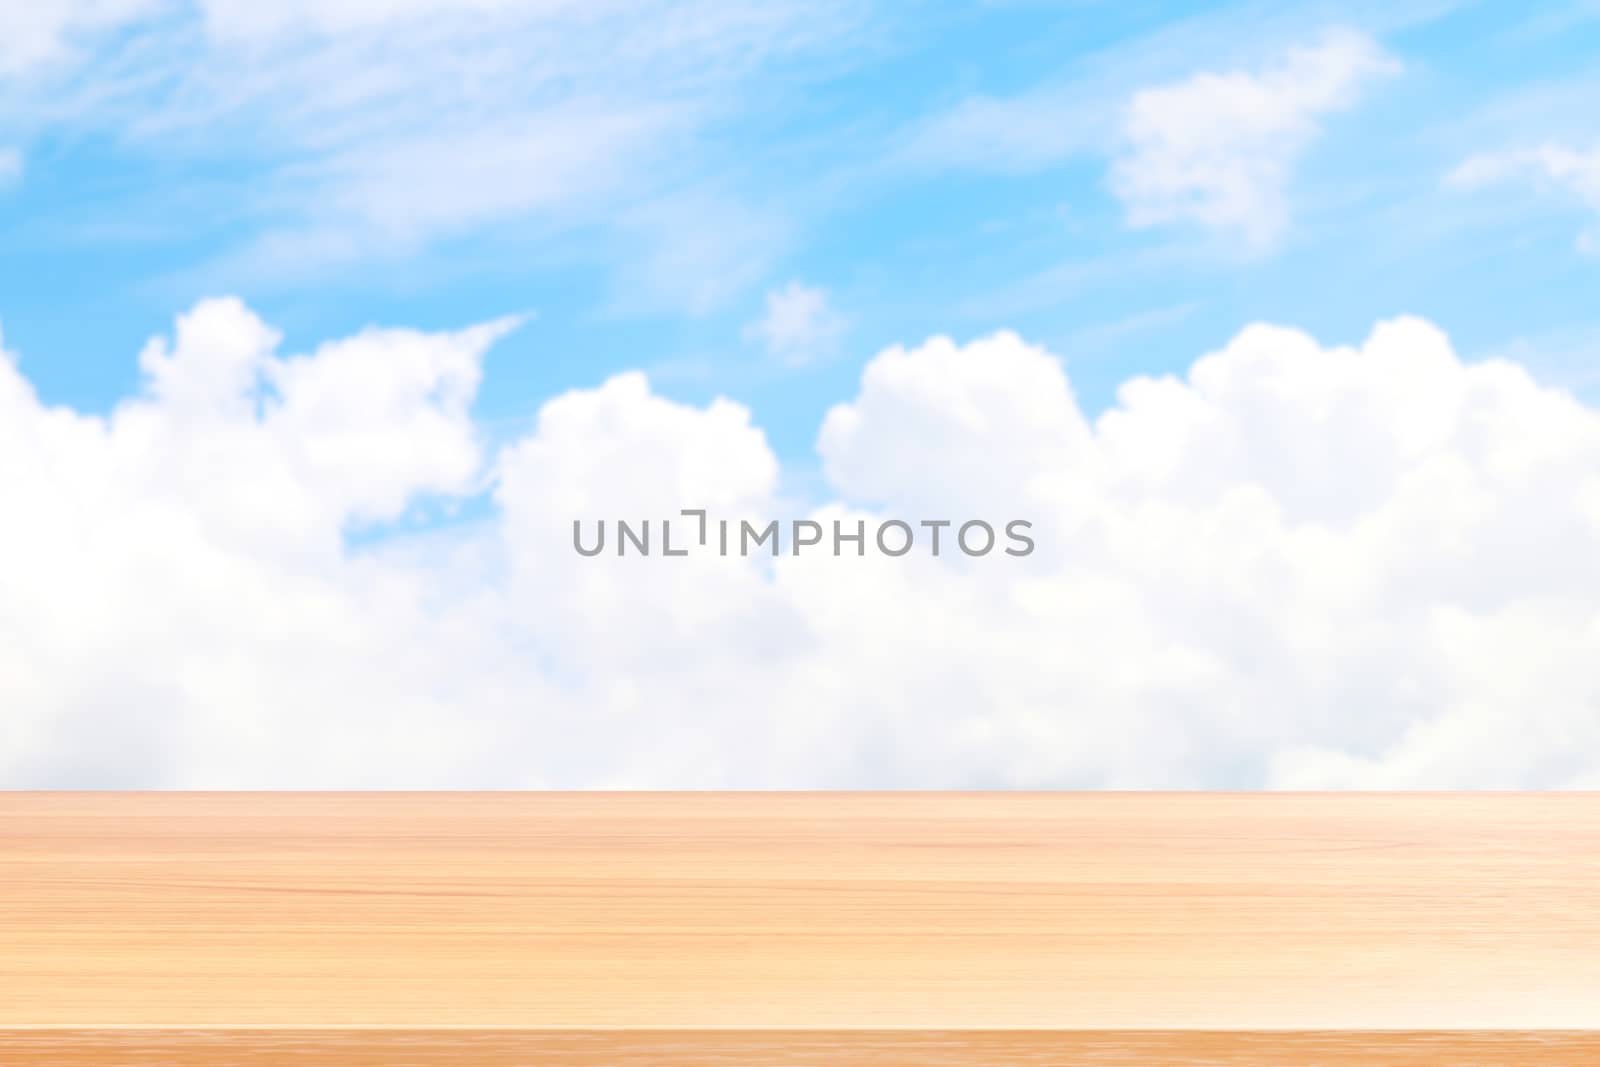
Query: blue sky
{"points": [[928, 169], [325, 319]]}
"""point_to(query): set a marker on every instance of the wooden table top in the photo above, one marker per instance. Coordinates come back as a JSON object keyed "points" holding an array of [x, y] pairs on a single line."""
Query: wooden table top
{"points": [[817, 912]]}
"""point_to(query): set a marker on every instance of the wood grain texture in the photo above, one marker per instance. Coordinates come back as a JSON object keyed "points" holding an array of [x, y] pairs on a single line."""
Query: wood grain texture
{"points": [[792, 1048], [814, 912]]}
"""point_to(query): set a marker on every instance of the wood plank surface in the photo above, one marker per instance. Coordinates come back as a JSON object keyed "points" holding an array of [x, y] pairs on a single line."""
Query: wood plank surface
{"points": [[792, 1048], [826, 913]]}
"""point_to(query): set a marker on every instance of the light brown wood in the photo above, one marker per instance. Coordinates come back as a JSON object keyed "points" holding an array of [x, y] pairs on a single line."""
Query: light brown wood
{"points": [[801, 911], [793, 1048]]}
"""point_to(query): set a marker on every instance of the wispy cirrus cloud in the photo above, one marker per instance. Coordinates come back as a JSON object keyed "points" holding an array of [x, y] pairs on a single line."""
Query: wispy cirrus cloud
{"points": [[1558, 168], [375, 130], [49, 33]]}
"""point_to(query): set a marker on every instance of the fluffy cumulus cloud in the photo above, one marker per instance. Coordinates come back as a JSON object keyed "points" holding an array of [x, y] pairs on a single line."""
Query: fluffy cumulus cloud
{"points": [[1571, 171], [1219, 149], [1297, 565]]}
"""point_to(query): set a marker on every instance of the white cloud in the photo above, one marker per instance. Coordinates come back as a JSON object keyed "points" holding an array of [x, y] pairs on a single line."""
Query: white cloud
{"points": [[568, 160], [1219, 149], [1572, 171], [800, 324], [946, 425], [243, 19], [1214, 149], [10, 166], [44, 32], [1295, 566], [172, 572]]}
